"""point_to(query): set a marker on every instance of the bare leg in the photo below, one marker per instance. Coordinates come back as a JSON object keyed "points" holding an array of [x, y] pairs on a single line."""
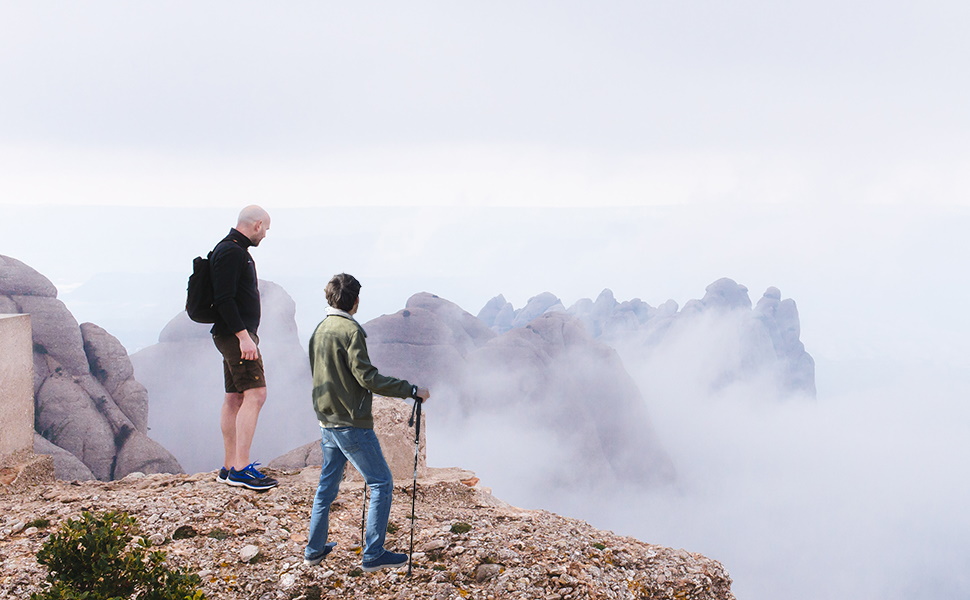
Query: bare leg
{"points": [[227, 421], [245, 426]]}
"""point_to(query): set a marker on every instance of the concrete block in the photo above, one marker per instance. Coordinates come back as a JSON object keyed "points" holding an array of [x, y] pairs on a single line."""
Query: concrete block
{"points": [[16, 384]]}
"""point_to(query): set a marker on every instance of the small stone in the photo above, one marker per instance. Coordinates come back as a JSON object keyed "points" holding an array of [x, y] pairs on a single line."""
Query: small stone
{"points": [[156, 539], [248, 553], [17, 527], [487, 571], [433, 545], [30, 531], [287, 581]]}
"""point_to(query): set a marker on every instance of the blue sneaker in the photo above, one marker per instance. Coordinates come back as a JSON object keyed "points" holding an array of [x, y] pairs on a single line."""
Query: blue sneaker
{"points": [[223, 476], [391, 560], [249, 477], [327, 549]]}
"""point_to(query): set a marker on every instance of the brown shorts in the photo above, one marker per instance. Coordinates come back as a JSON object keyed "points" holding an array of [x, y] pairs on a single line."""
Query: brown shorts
{"points": [[241, 375]]}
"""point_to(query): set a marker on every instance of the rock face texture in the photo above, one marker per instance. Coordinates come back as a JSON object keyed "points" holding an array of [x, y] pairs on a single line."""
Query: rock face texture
{"points": [[183, 375], [428, 342], [468, 544], [718, 339], [88, 403], [548, 384]]}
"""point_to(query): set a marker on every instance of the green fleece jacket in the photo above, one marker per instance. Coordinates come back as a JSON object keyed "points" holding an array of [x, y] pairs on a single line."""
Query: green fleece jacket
{"points": [[344, 379]]}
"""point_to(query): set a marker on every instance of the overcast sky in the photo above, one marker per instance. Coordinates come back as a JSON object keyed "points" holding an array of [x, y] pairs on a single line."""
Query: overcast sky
{"points": [[646, 146], [504, 103]]}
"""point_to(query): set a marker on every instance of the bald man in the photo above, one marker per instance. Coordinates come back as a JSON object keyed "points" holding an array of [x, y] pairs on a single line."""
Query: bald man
{"points": [[236, 294]]}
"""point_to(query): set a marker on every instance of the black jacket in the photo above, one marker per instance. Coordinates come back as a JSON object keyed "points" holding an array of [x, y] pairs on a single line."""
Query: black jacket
{"points": [[235, 287]]}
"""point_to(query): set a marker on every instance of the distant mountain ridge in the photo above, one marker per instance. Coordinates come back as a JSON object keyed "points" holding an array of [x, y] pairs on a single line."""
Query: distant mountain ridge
{"points": [[765, 339]]}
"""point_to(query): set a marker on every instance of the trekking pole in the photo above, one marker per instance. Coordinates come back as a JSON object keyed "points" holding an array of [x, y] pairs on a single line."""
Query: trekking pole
{"points": [[363, 518], [414, 421]]}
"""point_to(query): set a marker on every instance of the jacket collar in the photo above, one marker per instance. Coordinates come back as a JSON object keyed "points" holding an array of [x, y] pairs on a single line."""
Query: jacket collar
{"points": [[237, 236], [331, 311]]}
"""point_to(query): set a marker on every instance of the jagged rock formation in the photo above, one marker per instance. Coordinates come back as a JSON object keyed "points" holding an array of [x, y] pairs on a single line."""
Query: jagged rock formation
{"points": [[428, 342], [548, 381], [88, 403], [183, 375], [720, 337], [468, 544]]}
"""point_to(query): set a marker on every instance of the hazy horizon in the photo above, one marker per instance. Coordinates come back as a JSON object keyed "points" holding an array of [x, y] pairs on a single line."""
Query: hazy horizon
{"points": [[471, 150]]}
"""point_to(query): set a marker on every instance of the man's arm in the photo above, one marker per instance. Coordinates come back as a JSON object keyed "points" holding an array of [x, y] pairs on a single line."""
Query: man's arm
{"points": [[366, 374], [247, 347], [226, 269]]}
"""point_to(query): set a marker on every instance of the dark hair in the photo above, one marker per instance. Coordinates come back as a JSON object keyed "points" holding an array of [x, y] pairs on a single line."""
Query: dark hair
{"points": [[342, 291]]}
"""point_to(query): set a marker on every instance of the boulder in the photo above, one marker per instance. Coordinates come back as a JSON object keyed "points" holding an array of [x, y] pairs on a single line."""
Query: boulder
{"points": [[67, 416], [17, 279], [87, 402], [66, 465], [55, 331], [141, 454], [110, 365]]}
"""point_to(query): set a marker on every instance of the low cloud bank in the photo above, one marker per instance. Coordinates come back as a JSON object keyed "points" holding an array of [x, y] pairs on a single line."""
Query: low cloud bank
{"points": [[859, 493]]}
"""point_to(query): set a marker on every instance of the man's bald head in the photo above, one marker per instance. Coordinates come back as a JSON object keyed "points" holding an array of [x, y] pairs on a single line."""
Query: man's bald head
{"points": [[253, 222]]}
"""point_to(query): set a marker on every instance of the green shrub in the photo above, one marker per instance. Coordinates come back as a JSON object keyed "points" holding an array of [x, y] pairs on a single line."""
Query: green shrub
{"points": [[103, 557], [39, 523], [460, 528]]}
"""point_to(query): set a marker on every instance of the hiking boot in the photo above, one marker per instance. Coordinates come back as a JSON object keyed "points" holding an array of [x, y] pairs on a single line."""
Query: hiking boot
{"points": [[249, 477], [391, 560], [223, 475], [327, 549]]}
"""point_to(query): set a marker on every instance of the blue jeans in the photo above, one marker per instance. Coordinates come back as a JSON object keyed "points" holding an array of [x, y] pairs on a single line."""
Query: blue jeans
{"points": [[363, 450]]}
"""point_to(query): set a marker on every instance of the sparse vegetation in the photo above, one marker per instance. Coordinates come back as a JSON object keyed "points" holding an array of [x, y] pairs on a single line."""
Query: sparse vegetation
{"points": [[460, 528], [184, 532], [104, 557], [39, 523]]}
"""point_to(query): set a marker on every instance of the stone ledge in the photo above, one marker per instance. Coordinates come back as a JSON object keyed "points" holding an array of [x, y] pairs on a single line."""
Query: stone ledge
{"points": [[24, 469]]}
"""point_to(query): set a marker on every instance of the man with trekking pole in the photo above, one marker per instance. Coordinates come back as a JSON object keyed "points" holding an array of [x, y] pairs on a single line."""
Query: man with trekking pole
{"points": [[344, 381]]}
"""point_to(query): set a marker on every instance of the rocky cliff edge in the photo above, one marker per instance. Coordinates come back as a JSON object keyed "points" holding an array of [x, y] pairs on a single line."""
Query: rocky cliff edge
{"points": [[249, 545]]}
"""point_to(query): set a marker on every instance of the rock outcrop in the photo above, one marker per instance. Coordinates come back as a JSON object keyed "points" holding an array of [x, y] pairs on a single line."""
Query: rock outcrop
{"points": [[428, 342], [468, 543], [87, 402], [183, 375]]}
